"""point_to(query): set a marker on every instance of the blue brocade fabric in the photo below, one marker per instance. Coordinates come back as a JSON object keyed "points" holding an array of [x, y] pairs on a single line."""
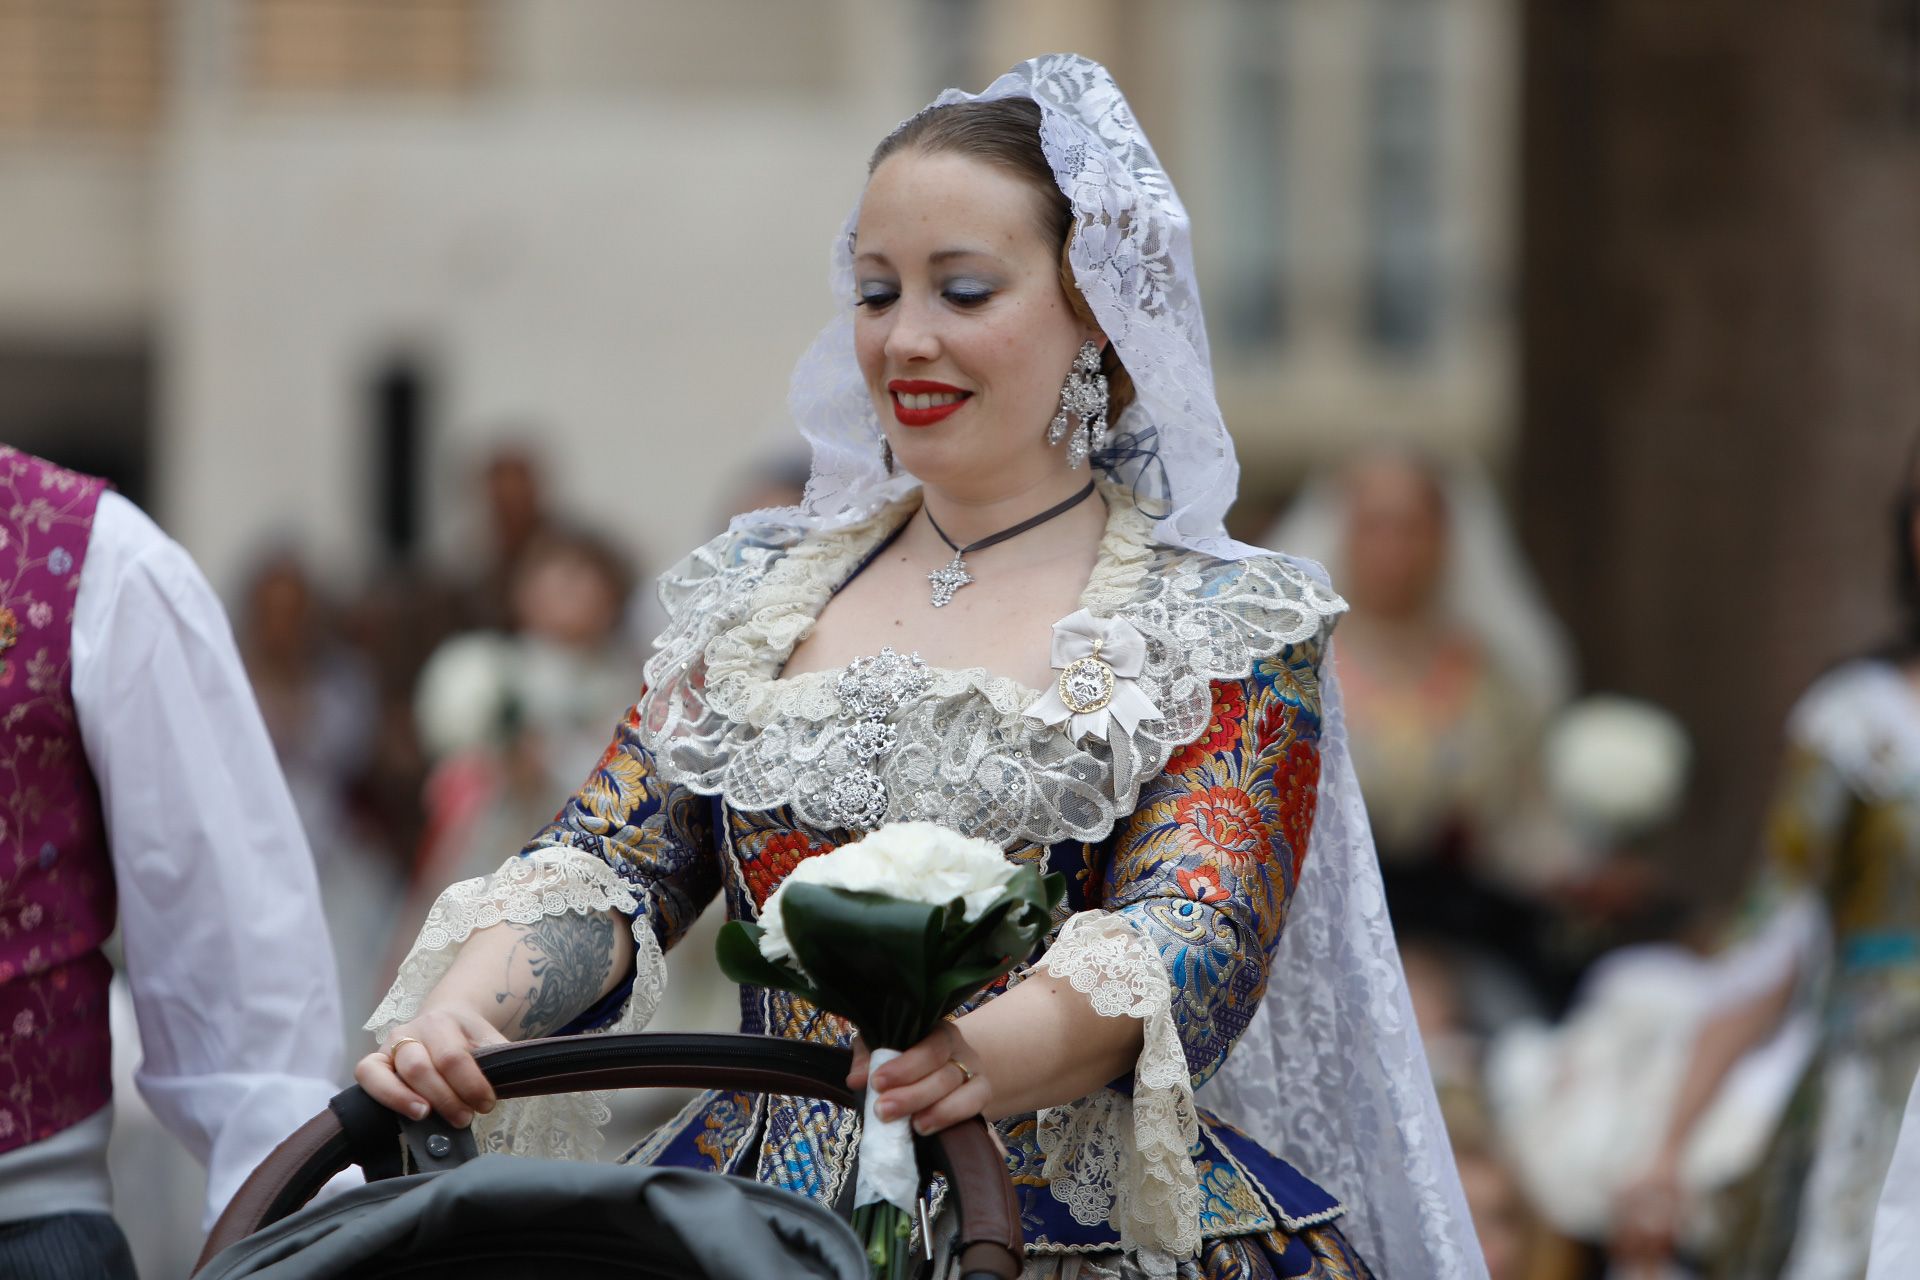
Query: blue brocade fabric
{"points": [[1204, 868]]}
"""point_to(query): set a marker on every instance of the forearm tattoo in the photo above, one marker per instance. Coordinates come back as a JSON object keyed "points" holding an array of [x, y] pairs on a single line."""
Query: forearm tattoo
{"points": [[555, 971]]}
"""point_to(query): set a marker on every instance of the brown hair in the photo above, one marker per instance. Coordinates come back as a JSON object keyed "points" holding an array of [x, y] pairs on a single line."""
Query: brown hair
{"points": [[1005, 132]]}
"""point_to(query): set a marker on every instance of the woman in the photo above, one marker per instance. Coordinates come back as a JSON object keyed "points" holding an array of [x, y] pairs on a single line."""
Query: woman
{"points": [[1840, 904], [1020, 276], [1450, 664]]}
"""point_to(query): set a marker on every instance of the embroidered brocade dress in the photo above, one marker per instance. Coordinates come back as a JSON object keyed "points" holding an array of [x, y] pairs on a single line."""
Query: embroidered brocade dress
{"points": [[1844, 832], [1181, 847]]}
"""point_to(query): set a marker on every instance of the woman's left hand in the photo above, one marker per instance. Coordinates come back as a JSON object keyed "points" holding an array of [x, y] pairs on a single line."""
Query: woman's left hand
{"points": [[938, 1082]]}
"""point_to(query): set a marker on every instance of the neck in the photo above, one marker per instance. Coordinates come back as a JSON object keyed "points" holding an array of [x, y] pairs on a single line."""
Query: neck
{"points": [[967, 518]]}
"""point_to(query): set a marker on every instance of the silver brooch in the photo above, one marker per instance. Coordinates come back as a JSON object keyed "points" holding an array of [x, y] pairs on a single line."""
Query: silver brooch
{"points": [[871, 690]]}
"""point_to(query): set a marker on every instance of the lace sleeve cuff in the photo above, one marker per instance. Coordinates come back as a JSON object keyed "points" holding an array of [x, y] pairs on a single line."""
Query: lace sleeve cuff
{"points": [[1113, 1159], [527, 888]]}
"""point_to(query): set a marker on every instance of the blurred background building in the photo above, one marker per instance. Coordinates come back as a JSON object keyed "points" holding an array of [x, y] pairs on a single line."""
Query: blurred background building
{"points": [[291, 265], [322, 275]]}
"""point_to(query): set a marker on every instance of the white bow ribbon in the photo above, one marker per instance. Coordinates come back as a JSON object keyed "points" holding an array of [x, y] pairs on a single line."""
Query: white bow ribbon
{"points": [[1115, 644]]}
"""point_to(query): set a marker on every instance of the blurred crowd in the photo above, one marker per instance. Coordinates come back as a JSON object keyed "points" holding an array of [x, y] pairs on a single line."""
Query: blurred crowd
{"points": [[1600, 1045]]}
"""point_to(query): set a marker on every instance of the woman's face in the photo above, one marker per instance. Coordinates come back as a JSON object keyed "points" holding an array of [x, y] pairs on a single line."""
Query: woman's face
{"points": [[1396, 538], [963, 331]]}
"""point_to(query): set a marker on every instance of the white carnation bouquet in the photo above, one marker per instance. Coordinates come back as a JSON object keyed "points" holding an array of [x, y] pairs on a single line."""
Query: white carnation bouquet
{"points": [[893, 932], [1616, 767]]}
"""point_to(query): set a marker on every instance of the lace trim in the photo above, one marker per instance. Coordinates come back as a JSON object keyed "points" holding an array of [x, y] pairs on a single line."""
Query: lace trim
{"points": [[1127, 1162], [546, 882], [719, 721]]}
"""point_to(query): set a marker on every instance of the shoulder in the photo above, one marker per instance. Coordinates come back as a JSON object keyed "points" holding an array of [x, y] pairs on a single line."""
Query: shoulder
{"points": [[1275, 602], [730, 564], [129, 558]]}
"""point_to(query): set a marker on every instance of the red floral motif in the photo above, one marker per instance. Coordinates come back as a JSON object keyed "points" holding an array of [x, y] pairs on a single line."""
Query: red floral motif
{"points": [[1297, 782], [1229, 709], [1223, 820], [766, 866], [1202, 884], [1276, 723]]}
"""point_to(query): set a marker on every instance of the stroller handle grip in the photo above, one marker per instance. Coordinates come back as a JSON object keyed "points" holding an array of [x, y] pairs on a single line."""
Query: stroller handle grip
{"points": [[989, 1242]]}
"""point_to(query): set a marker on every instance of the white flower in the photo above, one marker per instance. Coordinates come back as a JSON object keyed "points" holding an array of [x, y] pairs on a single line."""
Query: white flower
{"points": [[1616, 766], [914, 861], [460, 701]]}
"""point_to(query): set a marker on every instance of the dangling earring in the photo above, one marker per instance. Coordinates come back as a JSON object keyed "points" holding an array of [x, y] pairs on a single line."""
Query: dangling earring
{"points": [[886, 454], [1085, 397]]}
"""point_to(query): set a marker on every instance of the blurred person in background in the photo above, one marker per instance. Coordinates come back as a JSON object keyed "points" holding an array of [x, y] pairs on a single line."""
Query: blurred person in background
{"points": [[410, 609], [1836, 924], [515, 518], [511, 719], [1452, 665], [140, 778], [321, 708]]}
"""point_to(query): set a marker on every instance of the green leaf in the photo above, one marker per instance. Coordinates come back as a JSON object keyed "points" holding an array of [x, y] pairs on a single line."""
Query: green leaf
{"points": [[960, 984], [869, 955], [1015, 922], [738, 950]]}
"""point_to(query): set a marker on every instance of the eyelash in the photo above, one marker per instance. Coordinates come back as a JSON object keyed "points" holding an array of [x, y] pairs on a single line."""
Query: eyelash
{"points": [[963, 299]]}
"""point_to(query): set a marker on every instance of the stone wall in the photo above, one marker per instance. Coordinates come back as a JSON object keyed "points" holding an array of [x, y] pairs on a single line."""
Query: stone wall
{"points": [[1720, 380]]}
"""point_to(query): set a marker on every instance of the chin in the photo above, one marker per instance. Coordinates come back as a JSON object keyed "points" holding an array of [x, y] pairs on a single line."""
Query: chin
{"points": [[929, 463]]}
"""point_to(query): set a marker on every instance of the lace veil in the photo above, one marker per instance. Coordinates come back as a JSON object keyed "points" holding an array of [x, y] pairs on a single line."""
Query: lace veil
{"points": [[1331, 1073]]}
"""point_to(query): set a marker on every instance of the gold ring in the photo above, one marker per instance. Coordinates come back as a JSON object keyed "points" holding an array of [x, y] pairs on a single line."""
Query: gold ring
{"points": [[966, 1072], [395, 1047]]}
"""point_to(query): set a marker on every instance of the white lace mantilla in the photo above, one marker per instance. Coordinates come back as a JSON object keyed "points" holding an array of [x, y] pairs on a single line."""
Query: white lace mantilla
{"points": [[546, 882], [720, 720], [1127, 1162]]}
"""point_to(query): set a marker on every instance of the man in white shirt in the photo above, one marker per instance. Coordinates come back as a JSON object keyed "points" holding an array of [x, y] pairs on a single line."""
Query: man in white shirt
{"points": [[134, 766]]}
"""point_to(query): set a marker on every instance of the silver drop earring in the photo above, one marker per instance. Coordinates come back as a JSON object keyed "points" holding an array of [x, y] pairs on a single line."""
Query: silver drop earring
{"points": [[1085, 397]]}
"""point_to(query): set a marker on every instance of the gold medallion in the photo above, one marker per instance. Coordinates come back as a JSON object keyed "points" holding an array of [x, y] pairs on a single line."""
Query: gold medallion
{"points": [[1086, 684]]}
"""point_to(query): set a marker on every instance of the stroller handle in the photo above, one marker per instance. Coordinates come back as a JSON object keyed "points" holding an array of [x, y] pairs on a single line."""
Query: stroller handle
{"points": [[989, 1243]]}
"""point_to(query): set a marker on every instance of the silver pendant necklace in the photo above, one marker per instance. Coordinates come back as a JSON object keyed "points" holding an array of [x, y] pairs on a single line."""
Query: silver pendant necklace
{"points": [[952, 576]]}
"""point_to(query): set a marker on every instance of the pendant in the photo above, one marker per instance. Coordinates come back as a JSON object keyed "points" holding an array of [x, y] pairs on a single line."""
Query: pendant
{"points": [[948, 579], [1087, 684]]}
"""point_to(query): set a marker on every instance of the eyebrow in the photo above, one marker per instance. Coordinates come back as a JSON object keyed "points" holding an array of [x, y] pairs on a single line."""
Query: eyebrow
{"points": [[938, 255]]}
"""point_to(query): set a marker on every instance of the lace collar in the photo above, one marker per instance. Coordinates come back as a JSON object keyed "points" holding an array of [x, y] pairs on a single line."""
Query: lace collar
{"points": [[720, 720]]}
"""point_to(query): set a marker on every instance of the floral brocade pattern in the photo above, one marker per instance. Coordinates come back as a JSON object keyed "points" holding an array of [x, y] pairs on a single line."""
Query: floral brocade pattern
{"points": [[57, 896]]}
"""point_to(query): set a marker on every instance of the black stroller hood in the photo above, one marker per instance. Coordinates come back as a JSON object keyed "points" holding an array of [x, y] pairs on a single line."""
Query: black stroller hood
{"points": [[499, 1217]]}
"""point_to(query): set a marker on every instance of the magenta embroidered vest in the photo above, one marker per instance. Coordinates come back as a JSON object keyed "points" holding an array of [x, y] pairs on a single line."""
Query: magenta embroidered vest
{"points": [[56, 880]]}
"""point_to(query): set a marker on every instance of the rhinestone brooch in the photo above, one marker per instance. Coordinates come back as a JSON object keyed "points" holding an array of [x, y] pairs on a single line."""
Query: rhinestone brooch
{"points": [[871, 690]]}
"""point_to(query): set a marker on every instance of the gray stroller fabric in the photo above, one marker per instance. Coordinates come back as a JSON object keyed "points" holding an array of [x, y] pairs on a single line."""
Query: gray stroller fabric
{"points": [[511, 1216]]}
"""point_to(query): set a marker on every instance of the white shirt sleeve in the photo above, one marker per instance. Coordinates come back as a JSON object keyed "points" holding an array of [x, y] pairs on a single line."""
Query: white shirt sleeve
{"points": [[227, 954]]}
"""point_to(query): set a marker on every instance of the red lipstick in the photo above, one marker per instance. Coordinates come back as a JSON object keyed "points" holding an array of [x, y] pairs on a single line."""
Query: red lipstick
{"points": [[913, 417]]}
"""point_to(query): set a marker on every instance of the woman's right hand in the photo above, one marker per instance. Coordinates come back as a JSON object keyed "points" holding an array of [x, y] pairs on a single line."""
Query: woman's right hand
{"points": [[433, 1066]]}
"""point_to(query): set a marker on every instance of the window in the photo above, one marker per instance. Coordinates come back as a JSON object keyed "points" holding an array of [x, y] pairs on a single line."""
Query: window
{"points": [[343, 46], [1403, 143], [79, 67]]}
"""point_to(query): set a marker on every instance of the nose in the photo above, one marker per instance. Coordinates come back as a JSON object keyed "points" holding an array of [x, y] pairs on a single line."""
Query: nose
{"points": [[912, 336]]}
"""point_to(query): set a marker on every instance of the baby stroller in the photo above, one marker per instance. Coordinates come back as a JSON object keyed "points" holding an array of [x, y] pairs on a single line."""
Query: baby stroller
{"points": [[433, 1208]]}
